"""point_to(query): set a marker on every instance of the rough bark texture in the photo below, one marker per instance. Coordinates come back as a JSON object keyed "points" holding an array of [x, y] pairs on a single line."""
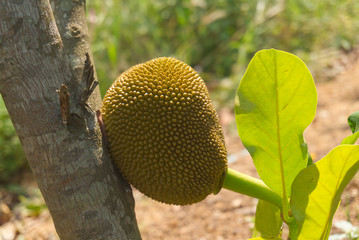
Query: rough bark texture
{"points": [[87, 198]]}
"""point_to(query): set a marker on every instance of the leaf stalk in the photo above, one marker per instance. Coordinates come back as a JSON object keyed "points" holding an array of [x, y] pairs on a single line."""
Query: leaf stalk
{"points": [[250, 186]]}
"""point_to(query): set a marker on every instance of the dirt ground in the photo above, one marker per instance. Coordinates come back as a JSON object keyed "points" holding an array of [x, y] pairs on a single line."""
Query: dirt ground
{"points": [[226, 215]]}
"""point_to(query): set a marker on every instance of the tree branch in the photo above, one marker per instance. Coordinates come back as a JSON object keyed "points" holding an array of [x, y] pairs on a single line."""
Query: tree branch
{"points": [[70, 17], [86, 197]]}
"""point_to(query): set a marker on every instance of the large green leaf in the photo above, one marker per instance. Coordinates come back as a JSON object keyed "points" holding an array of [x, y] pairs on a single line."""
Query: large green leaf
{"points": [[268, 221], [276, 100], [316, 191]]}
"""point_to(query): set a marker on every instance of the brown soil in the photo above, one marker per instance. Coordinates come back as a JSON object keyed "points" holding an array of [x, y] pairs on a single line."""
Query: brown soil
{"points": [[228, 215]]}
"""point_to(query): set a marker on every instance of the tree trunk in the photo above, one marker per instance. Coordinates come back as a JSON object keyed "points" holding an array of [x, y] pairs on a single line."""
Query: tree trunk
{"points": [[63, 143]]}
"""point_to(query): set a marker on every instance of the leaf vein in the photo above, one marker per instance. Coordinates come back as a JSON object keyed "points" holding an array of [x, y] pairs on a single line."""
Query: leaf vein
{"points": [[289, 141], [260, 105], [287, 124], [326, 188], [263, 130], [254, 140], [265, 67], [320, 207], [293, 94]]}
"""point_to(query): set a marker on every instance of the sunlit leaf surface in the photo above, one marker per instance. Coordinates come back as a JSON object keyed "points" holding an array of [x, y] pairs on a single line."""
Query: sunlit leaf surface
{"points": [[276, 100], [316, 190]]}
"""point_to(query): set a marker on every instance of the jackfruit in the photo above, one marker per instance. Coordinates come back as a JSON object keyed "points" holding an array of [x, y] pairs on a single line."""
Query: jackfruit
{"points": [[164, 133]]}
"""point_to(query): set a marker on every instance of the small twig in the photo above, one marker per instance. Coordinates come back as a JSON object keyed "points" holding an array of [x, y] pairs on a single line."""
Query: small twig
{"points": [[64, 96]]}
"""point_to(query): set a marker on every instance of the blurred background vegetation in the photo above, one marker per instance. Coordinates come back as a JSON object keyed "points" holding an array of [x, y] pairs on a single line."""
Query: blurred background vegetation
{"points": [[216, 37]]}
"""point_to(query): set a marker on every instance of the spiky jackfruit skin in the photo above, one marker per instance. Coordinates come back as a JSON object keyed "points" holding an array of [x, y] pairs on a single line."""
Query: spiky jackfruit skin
{"points": [[164, 133]]}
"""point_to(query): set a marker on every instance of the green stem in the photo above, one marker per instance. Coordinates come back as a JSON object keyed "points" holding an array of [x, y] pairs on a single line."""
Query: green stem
{"points": [[294, 230], [250, 186]]}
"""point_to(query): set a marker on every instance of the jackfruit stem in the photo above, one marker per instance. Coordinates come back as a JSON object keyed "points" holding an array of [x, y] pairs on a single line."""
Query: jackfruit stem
{"points": [[250, 186]]}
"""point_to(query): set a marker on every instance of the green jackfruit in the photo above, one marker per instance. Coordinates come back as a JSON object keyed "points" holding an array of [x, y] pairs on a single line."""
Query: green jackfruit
{"points": [[164, 133]]}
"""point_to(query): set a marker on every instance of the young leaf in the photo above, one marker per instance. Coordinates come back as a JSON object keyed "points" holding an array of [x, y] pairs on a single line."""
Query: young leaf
{"points": [[316, 190], [353, 121], [276, 100], [268, 220], [351, 139]]}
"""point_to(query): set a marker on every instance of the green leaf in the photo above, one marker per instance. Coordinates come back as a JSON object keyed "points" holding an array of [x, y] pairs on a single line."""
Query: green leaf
{"points": [[353, 121], [268, 220], [310, 160], [351, 139], [276, 100], [317, 189]]}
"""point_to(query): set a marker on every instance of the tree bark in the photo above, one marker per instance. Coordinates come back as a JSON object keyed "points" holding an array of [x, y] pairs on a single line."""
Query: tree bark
{"points": [[86, 196]]}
